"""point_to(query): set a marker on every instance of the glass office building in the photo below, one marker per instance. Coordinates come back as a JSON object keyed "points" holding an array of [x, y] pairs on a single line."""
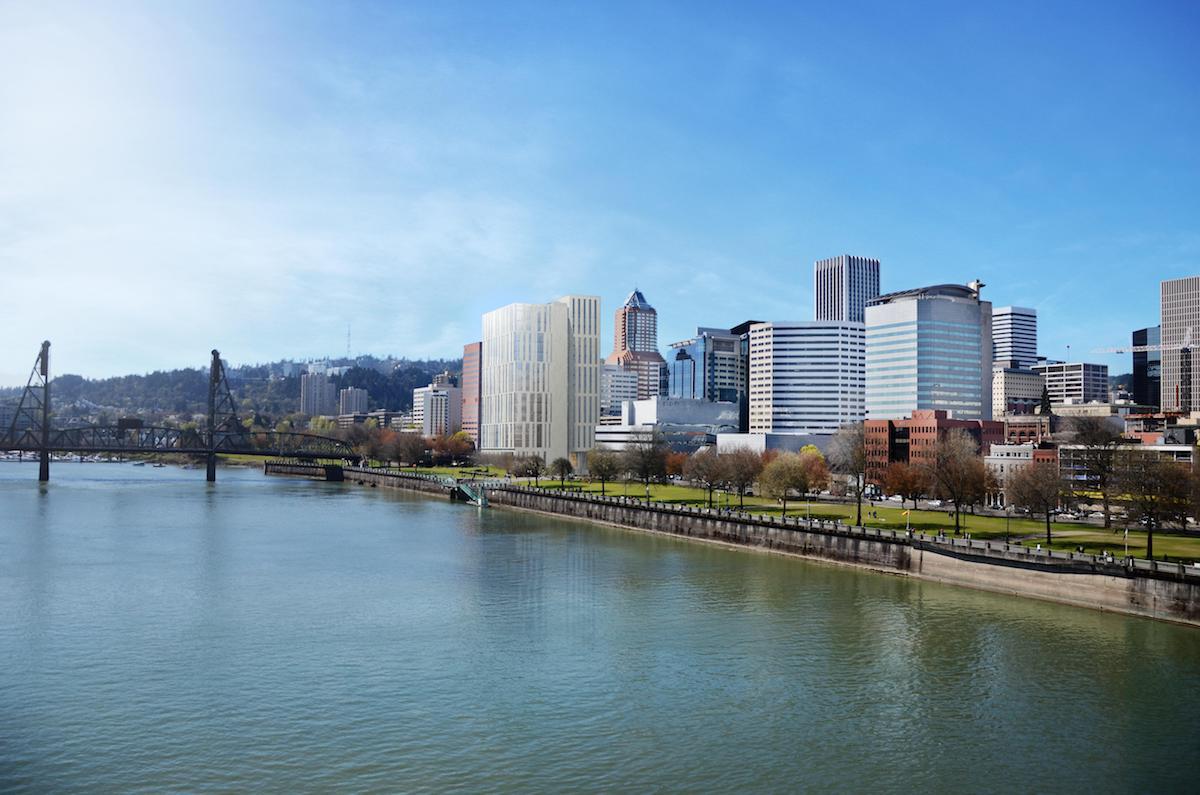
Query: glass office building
{"points": [[930, 348]]}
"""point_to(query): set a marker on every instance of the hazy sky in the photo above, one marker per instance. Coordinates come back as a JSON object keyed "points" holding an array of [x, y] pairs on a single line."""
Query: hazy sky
{"points": [[253, 176]]}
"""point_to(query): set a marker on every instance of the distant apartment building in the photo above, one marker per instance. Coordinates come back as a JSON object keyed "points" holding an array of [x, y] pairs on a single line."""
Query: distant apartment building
{"points": [[806, 377], [913, 440], [842, 286], [1075, 382], [437, 408], [471, 389], [1015, 390], [930, 349], [1180, 306], [1147, 366], [541, 379], [318, 395], [635, 344], [617, 385], [709, 366], [352, 400], [1014, 336]]}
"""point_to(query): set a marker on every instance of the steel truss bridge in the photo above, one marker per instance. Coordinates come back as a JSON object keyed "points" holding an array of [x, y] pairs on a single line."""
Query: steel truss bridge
{"points": [[31, 430]]}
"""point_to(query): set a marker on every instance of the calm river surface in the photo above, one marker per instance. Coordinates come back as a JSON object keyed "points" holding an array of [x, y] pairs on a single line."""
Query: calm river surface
{"points": [[158, 633]]}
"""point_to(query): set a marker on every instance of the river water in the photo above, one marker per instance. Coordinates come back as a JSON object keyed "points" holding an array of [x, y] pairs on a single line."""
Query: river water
{"points": [[159, 633]]}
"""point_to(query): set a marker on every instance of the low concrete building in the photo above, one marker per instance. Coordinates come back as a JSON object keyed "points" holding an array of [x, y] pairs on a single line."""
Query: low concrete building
{"points": [[776, 442], [686, 425]]}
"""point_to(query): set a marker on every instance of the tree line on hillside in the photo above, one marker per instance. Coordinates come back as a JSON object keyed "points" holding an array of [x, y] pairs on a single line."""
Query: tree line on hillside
{"points": [[185, 392]]}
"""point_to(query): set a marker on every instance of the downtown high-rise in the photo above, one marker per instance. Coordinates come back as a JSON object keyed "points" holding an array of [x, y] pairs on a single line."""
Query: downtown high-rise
{"points": [[1014, 337], [930, 348], [635, 344], [842, 286], [1180, 305]]}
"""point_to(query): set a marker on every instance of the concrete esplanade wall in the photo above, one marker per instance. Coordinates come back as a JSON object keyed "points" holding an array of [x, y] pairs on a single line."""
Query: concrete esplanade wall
{"points": [[1167, 591]]}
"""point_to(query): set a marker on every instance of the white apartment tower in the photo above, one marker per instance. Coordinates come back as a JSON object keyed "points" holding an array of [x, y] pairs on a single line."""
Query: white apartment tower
{"points": [[1180, 331], [437, 408], [806, 377], [541, 379], [352, 400], [930, 348], [1014, 337], [842, 286]]}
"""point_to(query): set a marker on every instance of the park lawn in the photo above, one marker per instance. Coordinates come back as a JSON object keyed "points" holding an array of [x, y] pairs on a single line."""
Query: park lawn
{"points": [[1065, 537], [459, 472]]}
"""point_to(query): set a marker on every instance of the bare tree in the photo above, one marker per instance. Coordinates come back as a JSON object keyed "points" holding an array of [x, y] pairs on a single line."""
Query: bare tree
{"points": [[1156, 491], [530, 466], [646, 459], [743, 466], [707, 469], [561, 467], [409, 448], [910, 482], [1038, 488], [1100, 441], [848, 456], [604, 465], [956, 471]]}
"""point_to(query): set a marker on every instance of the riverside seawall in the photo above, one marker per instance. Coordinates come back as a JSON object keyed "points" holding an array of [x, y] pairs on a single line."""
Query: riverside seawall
{"points": [[1166, 591]]}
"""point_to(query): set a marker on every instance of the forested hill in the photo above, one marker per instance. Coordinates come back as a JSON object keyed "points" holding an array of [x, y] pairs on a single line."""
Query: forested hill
{"points": [[186, 391]]}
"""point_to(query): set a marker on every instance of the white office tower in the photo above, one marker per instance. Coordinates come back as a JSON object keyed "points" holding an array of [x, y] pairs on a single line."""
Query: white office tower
{"points": [[1074, 382], [930, 348], [541, 379], [806, 377], [1180, 333], [616, 386], [1014, 337], [842, 286]]}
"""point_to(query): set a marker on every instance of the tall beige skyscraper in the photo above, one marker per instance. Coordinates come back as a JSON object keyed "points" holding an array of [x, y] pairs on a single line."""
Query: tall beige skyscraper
{"points": [[1180, 333], [635, 344], [540, 374]]}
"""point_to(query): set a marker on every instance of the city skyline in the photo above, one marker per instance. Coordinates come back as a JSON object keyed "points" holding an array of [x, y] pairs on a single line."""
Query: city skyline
{"points": [[253, 180]]}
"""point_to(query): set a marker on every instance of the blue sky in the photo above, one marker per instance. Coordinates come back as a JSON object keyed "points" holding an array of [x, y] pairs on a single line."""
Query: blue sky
{"points": [[254, 176]]}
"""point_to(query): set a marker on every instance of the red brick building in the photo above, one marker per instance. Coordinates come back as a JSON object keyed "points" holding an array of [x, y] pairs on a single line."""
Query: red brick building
{"points": [[912, 441]]}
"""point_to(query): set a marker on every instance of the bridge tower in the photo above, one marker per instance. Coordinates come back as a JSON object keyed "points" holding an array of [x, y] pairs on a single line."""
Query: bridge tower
{"points": [[222, 414], [31, 423]]}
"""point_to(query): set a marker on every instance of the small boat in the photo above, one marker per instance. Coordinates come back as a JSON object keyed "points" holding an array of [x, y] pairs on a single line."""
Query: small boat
{"points": [[139, 463], [159, 465]]}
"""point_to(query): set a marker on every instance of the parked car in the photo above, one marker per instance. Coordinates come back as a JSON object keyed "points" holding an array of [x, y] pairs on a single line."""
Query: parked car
{"points": [[1096, 514], [895, 498], [934, 503]]}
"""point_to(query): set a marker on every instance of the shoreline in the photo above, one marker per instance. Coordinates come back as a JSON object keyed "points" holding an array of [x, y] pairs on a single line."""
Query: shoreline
{"points": [[1169, 592]]}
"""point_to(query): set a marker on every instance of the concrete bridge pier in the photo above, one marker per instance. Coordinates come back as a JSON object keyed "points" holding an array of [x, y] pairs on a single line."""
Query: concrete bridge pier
{"points": [[210, 469]]}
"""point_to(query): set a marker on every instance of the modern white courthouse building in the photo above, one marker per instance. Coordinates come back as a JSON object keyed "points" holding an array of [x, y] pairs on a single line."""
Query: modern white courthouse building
{"points": [[540, 373]]}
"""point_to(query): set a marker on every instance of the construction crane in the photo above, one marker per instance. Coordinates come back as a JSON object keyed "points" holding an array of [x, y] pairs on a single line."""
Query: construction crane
{"points": [[1183, 346]]}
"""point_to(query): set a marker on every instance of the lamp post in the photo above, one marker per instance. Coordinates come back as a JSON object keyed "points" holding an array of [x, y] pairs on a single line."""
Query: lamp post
{"points": [[1007, 520]]}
